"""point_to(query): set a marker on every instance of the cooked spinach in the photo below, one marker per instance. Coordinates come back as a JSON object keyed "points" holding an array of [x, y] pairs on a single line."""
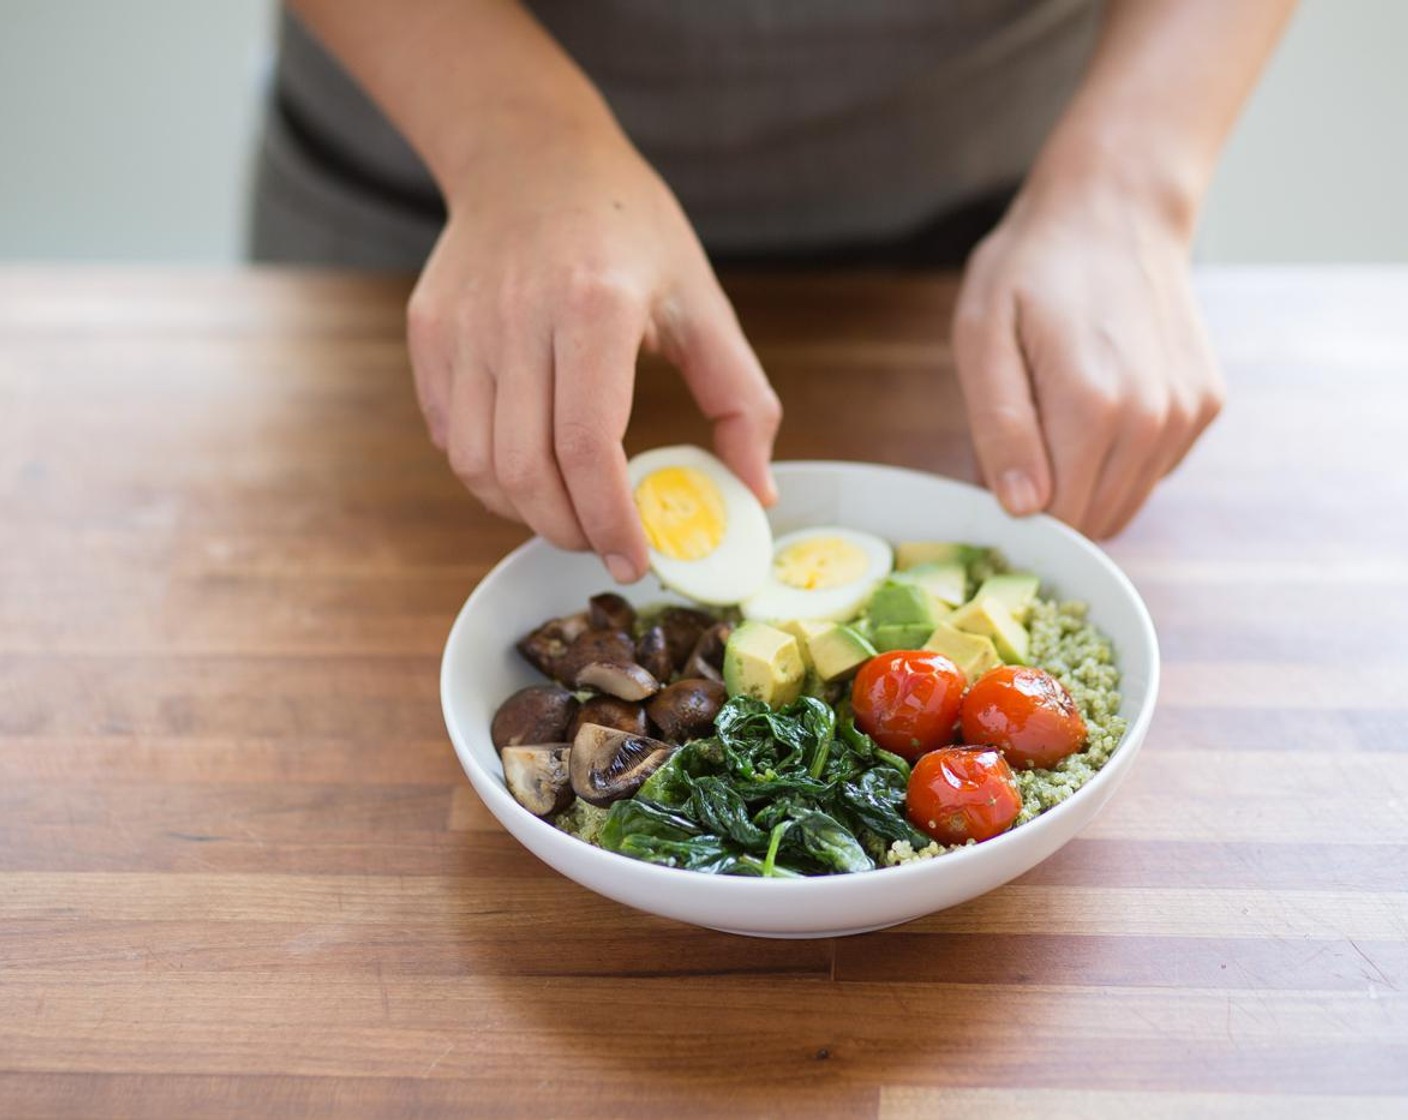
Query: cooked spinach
{"points": [[781, 793]]}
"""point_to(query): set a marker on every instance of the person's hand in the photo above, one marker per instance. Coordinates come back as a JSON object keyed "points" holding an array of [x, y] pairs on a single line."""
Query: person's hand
{"points": [[564, 254], [1082, 358]]}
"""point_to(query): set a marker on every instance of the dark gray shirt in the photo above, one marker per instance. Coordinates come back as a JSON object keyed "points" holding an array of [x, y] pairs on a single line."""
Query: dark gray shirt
{"points": [[780, 123]]}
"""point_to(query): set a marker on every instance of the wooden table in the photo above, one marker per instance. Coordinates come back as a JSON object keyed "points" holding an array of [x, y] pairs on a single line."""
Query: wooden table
{"points": [[241, 873]]}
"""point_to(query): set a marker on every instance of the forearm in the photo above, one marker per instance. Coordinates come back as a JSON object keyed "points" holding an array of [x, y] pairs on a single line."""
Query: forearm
{"points": [[459, 78], [1162, 91]]}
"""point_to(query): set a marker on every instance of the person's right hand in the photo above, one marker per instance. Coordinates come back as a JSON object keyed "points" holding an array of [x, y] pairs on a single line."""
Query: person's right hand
{"points": [[565, 254]]}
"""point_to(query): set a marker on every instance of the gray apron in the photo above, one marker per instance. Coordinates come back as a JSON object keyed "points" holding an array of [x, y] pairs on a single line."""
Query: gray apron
{"points": [[786, 128]]}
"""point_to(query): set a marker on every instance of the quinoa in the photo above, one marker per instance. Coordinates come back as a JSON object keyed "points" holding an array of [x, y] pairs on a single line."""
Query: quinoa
{"points": [[583, 821], [1082, 659]]}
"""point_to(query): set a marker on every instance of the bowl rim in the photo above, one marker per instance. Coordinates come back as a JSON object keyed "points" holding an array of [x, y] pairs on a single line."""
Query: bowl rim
{"points": [[992, 849]]}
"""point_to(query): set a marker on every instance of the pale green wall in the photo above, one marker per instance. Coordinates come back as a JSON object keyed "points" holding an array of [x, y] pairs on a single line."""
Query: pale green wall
{"points": [[125, 128]]}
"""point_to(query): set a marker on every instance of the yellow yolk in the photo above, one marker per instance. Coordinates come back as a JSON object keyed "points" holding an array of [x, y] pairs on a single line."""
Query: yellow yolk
{"points": [[819, 562], [682, 511]]}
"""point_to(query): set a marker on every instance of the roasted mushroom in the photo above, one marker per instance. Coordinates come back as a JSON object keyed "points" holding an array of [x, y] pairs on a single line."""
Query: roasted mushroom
{"points": [[686, 709], [609, 611], [546, 646], [653, 654], [607, 765], [538, 776], [610, 647], [627, 681], [610, 712], [682, 626], [707, 658], [539, 713]]}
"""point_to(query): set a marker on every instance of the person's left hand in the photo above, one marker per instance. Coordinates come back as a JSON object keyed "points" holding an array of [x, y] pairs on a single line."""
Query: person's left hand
{"points": [[1082, 358]]}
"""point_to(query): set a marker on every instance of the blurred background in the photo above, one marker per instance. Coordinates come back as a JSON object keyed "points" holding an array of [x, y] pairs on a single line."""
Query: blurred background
{"points": [[128, 130]]}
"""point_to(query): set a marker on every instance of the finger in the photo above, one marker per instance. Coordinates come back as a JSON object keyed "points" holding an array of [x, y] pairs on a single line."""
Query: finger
{"points": [[524, 463], [728, 384], [1079, 411], [430, 352], [1002, 413], [595, 352], [1181, 430], [470, 446], [1133, 468]]}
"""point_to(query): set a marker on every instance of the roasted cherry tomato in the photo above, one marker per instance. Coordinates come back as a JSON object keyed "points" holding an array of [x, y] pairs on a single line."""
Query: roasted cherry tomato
{"points": [[959, 794], [1024, 713], [907, 700]]}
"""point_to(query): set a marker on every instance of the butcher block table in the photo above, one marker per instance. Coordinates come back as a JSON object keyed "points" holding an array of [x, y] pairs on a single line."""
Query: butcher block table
{"points": [[242, 874]]}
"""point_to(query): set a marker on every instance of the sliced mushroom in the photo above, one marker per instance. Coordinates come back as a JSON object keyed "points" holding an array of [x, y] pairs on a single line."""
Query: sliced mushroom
{"points": [[607, 765], [686, 709], [653, 654], [707, 658], [546, 646], [625, 680], [682, 626], [610, 712], [609, 611], [540, 713], [609, 646], [539, 776]]}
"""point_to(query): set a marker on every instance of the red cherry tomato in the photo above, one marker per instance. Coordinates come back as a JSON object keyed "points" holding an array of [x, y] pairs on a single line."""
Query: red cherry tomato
{"points": [[908, 700], [962, 793], [1025, 713]]}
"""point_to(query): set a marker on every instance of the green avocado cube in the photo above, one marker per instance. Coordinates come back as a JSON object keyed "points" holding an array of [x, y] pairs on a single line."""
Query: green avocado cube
{"points": [[947, 583], [803, 629], [1014, 590], [901, 603], [901, 635], [975, 654], [990, 617], [911, 554], [763, 662], [836, 653]]}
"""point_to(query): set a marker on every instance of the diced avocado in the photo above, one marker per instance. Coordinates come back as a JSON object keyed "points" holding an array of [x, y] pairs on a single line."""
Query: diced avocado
{"points": [[990, 617], [911, 554], [838, 652], [763, 662], [947, 584], [804, 629], [975, 654], [901, 635], [1014, 590], [898, 602]]}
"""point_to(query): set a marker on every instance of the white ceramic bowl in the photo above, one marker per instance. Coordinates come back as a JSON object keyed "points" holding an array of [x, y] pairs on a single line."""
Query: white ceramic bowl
{"points": [[537, 582]]}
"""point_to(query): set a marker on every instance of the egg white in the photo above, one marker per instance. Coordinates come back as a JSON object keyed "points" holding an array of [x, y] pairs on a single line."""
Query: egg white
{"points": [[743, 558], [777, 601]]}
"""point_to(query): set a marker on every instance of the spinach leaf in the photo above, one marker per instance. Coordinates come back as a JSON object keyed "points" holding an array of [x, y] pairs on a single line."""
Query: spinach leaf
{"points": [[826, 840], [876, 800], [640, 818], [722, 810]]}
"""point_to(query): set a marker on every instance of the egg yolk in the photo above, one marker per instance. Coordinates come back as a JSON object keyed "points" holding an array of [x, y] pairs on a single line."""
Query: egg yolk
{"points": [[820, 562], [682, 511]]}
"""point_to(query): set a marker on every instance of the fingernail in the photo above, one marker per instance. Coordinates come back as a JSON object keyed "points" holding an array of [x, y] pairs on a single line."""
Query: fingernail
{"points": [[621, 569], [1017, 492]]}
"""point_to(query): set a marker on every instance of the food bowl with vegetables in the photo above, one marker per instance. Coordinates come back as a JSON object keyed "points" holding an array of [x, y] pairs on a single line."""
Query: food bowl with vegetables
{"points": [[885, 699]]}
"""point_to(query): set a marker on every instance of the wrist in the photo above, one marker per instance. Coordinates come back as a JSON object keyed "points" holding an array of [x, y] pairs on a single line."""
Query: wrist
{"points": [[1094, 169], [513, 135]]}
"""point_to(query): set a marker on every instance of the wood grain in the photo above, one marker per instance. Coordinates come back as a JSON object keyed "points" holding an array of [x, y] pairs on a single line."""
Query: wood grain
{"points": [[241, 873]]}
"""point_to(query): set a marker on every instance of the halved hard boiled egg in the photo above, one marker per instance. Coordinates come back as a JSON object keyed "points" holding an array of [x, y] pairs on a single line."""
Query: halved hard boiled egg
{"points": [[824, 573], [709, 537]]}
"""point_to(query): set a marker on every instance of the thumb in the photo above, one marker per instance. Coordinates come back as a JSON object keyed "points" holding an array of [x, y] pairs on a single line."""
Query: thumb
{"points": [[730, 388], [1002, 414]]}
